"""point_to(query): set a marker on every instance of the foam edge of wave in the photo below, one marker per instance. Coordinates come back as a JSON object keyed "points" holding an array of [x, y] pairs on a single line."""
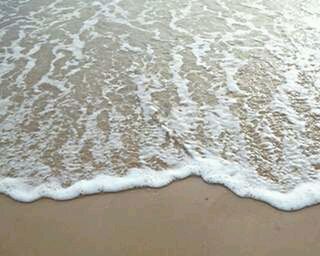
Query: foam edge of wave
{"points": [[213, 171]]}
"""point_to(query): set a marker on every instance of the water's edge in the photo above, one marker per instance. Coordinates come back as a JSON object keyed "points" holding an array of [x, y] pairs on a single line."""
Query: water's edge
{"points": [[211, 171]]}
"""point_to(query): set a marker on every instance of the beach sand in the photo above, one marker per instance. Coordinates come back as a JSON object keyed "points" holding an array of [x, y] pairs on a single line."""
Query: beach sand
{"points": [[188, 217]]}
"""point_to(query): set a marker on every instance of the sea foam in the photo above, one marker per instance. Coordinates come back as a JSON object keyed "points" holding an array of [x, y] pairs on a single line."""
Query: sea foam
{"points": [[215, 171], [121, 94]]}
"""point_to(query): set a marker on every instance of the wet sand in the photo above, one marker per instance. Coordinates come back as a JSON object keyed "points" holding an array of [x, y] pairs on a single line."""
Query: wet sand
{"points": [[185, 218]]}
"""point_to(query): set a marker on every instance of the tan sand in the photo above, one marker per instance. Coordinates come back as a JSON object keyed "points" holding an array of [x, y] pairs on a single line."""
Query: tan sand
{"points": [[185, 218]]}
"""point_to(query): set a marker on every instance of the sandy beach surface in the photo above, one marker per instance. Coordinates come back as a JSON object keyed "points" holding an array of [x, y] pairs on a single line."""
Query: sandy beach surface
{"points": [[185, 218]]}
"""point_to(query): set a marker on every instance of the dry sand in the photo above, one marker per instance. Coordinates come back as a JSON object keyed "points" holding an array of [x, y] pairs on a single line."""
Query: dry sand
{"points": [[186, 218]]}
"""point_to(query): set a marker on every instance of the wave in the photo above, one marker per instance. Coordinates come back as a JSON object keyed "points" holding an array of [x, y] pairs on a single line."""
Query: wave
{"points": [[215, 171]]}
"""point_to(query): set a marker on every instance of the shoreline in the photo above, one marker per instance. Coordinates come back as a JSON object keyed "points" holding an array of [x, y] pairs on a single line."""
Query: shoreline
{"points": [[188, 217], [234, 177]]}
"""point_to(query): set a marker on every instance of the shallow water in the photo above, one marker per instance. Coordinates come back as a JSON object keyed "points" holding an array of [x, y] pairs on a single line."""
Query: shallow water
{"points": [[151, 91]]}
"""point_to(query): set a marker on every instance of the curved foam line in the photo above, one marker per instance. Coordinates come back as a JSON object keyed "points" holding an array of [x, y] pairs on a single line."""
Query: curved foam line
{"points": [[216, 171]]}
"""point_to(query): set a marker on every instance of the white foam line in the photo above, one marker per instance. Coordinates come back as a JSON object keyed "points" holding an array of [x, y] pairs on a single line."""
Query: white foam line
{"points": [[215, 170]]}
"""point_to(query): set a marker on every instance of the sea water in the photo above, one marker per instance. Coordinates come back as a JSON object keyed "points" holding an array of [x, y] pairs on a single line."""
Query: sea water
{"points": [[107, 95]]}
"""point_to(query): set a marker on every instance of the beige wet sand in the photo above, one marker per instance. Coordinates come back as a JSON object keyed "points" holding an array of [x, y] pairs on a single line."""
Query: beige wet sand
{"points": [[186, 218]]}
